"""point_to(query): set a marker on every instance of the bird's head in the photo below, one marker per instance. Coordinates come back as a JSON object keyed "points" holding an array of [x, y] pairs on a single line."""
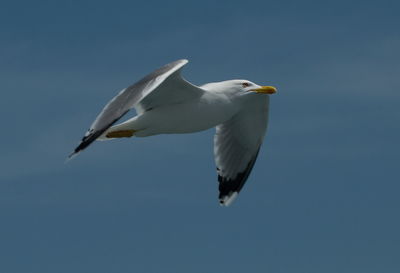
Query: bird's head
{"points": [[240, 87]]}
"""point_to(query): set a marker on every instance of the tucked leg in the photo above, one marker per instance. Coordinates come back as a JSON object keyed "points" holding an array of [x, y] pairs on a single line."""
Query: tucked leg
{"points": [[120, 133]]}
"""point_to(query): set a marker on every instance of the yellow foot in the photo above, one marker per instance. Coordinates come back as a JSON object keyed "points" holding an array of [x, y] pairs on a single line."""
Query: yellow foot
{"points": [[122, 133]]}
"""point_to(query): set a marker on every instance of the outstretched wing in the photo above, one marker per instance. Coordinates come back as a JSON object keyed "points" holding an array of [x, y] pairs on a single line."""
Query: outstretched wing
{"points": [[165, 85], [236, 146]]}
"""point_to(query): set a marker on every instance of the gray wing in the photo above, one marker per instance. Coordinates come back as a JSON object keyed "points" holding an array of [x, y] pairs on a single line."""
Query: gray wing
{"points": [[164, 85], [236, 146]]}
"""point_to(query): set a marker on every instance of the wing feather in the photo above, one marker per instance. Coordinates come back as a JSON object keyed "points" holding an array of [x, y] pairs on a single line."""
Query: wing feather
{"points": [[236, 146], [143, 95]]}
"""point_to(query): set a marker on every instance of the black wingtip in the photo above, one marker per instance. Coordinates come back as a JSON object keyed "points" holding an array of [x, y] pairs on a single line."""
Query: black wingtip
{"points": [[76, 151], [229, 188], [91, 136], [73, 154], [86, 141], [227, 200]]}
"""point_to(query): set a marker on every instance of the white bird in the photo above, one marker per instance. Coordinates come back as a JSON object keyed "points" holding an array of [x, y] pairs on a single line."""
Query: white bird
{"points": [[168, 104]]}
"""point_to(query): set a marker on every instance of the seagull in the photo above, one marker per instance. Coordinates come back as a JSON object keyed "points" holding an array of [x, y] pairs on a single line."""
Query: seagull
{"points": [[166, 103]]}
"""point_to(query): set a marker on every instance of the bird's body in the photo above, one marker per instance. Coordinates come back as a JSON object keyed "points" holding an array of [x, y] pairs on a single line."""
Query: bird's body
{"points": [[212, 108], [168, 104]]}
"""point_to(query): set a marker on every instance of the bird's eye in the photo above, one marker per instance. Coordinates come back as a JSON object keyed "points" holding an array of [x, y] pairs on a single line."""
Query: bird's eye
{"points": [[245, 84]]}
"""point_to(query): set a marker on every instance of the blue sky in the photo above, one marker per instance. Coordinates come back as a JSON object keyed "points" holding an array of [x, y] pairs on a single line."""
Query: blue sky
{"points": [[323, 196]]}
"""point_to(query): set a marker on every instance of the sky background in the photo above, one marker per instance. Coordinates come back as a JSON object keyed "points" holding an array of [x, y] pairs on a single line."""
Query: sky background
{"points": [[322, 197]]}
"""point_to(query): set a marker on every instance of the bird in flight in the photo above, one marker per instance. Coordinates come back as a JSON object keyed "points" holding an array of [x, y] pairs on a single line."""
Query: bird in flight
{"points": [[168, 104]]}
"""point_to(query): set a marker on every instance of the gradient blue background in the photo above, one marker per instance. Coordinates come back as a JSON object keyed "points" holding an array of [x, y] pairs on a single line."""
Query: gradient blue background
{"points": [[323, 196]]}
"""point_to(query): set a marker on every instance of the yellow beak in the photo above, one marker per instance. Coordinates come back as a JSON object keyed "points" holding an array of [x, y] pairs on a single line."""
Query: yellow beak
{"points": [[265, 90]]}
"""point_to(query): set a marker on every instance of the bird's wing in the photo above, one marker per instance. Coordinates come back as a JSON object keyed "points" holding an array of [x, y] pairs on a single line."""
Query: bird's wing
{"points": [[163, 86], [236, 146]]}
